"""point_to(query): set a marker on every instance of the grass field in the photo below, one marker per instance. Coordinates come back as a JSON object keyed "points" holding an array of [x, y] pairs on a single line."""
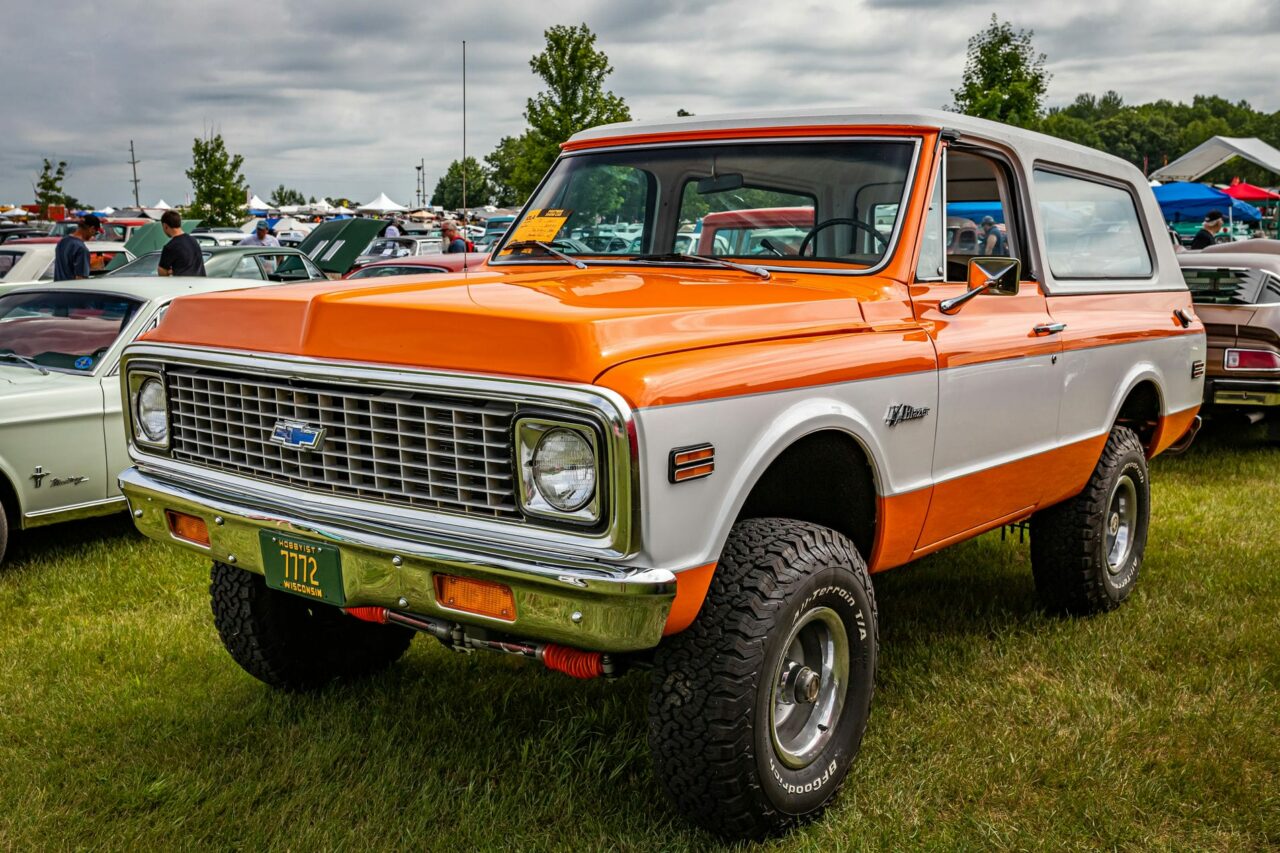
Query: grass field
{"points": [[123, 724]]}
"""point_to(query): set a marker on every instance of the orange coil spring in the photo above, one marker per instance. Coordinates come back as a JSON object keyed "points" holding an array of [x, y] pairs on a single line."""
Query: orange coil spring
{"points": [[572, 662], [369, 614]]}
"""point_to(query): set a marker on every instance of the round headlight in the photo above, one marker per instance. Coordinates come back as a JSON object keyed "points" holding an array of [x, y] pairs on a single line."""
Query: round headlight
{"points": [[564, 469], [152, 417]]}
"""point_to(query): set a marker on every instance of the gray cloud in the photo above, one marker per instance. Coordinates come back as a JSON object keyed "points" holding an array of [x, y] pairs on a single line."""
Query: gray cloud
{"points": [[334, 97]]}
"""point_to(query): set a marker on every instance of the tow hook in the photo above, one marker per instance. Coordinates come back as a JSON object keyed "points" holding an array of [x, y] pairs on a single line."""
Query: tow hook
{"points": [[575, 663]]}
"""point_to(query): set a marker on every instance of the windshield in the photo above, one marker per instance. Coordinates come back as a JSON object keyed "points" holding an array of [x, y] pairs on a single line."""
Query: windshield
{"points": [[777, 204], [145, 265], [8, 260], [389, 248], [64, 331]]}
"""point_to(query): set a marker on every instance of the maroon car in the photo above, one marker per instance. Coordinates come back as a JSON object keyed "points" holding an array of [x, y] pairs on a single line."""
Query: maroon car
{"points": [[420, 265]]}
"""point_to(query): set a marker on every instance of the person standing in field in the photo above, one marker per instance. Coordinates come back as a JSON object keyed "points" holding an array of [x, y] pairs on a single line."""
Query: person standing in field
{"points": [[182, 254], [71, 259]]}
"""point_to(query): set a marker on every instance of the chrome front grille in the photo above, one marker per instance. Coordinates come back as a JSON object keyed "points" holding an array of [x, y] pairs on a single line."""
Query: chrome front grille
{"points": [[414, 448]]}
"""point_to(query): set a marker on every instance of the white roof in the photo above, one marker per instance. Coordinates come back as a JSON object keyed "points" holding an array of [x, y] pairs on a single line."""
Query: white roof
{"points": [[1212, 153], [256, 203], [382, 204], [162, 205]]}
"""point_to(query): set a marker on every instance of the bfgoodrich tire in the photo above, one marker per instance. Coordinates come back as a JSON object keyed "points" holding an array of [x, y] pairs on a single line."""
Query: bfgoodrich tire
{"points": [[1086, 552], [757, 710], [291, 643]]}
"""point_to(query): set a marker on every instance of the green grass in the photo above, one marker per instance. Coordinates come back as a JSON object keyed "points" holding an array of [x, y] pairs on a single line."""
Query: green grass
{"points": [[123, 724]]}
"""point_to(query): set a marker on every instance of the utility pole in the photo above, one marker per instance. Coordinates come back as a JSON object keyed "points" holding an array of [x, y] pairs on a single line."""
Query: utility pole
{"points": [[133, 161]]}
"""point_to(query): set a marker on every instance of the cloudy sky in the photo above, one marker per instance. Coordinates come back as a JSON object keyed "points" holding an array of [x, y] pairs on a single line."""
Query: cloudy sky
{"points": [[344, 98]]}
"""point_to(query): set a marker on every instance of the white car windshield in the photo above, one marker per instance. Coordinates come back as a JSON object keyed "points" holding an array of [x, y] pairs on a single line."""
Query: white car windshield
{"points": [[61, 330], [824, 204]]}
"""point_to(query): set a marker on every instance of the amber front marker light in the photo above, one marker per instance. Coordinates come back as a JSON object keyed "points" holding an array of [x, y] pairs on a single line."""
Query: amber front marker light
{"points": [[691, 463], [189, 527], [484, 598]]}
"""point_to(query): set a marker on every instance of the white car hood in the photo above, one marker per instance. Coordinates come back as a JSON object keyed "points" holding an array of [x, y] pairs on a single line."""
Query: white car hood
{"points": [[27, 394]]}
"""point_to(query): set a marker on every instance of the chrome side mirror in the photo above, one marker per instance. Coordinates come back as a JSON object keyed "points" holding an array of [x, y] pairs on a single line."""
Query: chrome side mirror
{"points": [[997, 276]]}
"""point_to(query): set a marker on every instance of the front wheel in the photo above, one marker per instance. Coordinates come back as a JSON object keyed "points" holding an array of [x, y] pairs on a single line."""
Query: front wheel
{"points": [[757, 710], [1086, 551], [291, 643]]}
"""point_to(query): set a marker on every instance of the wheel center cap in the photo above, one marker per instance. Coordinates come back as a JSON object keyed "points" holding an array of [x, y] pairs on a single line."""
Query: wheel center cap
{"points": [[807, 683], [1115, 523]]}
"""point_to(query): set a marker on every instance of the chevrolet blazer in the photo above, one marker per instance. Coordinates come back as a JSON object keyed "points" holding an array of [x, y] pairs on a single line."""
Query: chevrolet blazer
{"points": [[690, 463]]}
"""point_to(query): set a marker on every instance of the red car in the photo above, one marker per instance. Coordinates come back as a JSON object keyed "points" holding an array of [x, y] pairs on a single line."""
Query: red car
{"points": [[420, 264]]}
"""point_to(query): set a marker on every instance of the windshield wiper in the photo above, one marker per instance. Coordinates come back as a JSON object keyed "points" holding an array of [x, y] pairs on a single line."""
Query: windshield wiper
{"points": [[28, 362], [706, 259], [538, 244]]}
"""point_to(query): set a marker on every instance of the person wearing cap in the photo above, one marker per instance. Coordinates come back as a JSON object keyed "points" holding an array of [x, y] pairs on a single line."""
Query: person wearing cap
{"points": [[71, 258], [1208, 233], [994, 243], [261, 236]]}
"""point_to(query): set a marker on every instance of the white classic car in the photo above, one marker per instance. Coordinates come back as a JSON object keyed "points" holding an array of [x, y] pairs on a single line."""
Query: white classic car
{"points": [[62, 439], [23, 263]]}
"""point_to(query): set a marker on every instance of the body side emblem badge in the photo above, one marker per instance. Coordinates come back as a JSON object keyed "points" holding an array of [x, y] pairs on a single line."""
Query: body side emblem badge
{"points": [[900, 412]]}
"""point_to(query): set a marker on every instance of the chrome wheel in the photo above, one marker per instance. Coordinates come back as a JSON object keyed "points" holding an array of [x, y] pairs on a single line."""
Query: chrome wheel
{"points": [[809, 686], [1121, 521]]}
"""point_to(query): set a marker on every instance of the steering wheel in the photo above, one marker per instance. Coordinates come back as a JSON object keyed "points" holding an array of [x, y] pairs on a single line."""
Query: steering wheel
{"points": [[827, 223]]}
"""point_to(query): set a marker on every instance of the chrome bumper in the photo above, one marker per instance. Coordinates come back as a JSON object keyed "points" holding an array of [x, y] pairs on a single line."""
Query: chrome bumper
{"points": [[598, 608]]}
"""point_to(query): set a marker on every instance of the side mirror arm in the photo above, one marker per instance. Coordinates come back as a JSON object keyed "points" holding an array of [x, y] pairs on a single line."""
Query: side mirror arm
{"points": [[952, 305]]}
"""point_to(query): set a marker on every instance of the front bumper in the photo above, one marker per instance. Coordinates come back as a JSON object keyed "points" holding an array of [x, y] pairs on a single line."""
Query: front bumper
{"points": [[599, 608]]}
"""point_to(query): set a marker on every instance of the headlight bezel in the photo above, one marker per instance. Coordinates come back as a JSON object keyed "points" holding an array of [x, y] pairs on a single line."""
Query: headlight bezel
{"points": [[137, 379], [528, 433]]}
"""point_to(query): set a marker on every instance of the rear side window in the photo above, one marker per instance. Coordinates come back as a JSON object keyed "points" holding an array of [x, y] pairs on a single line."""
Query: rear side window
{"points": [[1091, 230], [1227, 286]]}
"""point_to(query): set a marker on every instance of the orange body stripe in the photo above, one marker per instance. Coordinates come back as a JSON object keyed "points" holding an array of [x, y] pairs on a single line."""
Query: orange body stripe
{"points": [[691, 590]]}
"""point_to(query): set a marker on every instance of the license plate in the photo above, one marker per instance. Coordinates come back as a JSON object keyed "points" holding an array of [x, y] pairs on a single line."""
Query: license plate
{"points": [[303, 567]]}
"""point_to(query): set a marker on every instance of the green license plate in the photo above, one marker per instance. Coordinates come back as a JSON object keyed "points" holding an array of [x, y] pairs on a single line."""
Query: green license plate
{"points": [[303, 567]]}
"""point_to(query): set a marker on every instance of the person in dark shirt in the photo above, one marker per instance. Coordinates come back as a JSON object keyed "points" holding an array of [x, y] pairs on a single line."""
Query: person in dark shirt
{"points": [[994, 243], [1208, 232], [181, 255], [453, 240], [71, 259]]}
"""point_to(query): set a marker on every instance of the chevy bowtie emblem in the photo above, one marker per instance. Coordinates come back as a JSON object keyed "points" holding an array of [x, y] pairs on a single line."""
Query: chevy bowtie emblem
{"points": [[900, 412], [297, 435]]}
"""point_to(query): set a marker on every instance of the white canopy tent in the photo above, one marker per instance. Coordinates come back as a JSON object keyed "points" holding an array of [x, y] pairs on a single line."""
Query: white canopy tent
{"points": [[382, 204], [1211, 154], [162, 205], [256, 203]]}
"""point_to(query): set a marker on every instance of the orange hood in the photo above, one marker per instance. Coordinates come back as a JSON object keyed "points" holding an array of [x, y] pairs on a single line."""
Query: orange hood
{"points": [[568, 325]]}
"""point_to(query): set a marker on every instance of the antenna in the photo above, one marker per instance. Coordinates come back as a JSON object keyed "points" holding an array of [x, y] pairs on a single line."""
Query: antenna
{"points": [[464, 156], [133, 161]]}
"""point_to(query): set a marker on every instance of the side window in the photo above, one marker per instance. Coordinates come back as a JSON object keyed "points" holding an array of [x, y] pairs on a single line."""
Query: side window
{"points": [[247, 268], [47, 275], [980, 213], [1091, 230], [931, 266]]}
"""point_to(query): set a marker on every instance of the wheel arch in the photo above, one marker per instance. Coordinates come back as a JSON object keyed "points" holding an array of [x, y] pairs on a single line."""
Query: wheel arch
{"points": [[10, 499], [1141, 409]]}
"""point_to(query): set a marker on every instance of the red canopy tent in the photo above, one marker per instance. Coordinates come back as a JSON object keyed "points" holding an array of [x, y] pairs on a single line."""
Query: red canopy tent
{"points": [[1248, 192]]}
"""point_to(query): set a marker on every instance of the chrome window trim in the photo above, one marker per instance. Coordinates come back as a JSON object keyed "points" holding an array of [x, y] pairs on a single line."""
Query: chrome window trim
{"points": [[617, 538], [890, 251]]}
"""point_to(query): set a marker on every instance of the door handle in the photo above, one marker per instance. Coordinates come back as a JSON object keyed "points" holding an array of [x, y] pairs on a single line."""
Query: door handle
{"points": [[1048, 328]]}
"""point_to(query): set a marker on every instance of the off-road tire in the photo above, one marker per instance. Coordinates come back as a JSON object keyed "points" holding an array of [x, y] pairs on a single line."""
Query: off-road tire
{"points": [[710, 705], [4, 530], [1069, 540], [291, 643]]}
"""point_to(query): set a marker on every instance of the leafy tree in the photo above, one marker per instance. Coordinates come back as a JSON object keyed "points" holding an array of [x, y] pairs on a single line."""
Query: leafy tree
{"points": [[48, 186], [217, 182], [282, 195], [1004, 78], [448, 192], [575, 99], [509, 171], [311, 200]]}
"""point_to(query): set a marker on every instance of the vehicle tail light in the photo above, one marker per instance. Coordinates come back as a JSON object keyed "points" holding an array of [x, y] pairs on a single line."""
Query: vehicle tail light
{"points": [[1252, 359], [485, 598], [189, 527]]}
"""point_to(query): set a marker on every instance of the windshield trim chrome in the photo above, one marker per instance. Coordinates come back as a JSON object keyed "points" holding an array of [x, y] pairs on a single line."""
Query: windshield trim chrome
{"points": [[890, 252]]}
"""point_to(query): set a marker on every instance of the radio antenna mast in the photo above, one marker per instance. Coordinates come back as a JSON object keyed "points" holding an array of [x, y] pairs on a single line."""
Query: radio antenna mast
{"points": [[464, 156]]}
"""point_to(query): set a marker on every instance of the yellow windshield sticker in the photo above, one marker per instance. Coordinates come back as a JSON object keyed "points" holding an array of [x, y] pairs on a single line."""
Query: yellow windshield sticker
{"points": [[539, 225]]}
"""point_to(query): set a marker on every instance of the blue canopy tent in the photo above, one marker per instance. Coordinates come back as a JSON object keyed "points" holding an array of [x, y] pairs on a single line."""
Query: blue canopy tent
{"points": [[1183, 201], [975, 210]]}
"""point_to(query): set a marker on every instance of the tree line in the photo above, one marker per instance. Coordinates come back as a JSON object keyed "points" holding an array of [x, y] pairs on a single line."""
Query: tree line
{"points": [[1004, 79]]}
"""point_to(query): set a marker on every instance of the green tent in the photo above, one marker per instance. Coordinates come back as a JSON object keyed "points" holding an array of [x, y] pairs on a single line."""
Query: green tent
{"points": [[149, 238], [335, 245]]}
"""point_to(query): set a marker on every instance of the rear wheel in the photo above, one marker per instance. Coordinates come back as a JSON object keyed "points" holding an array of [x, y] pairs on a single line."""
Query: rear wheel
{"points": [[1086, 552], [291, 643], [757, 710], [4, 529]]}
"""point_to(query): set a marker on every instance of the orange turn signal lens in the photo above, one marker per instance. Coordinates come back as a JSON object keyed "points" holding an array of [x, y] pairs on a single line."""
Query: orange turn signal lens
{"points": [[189, 527], [691, 463], [485, 598]]}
